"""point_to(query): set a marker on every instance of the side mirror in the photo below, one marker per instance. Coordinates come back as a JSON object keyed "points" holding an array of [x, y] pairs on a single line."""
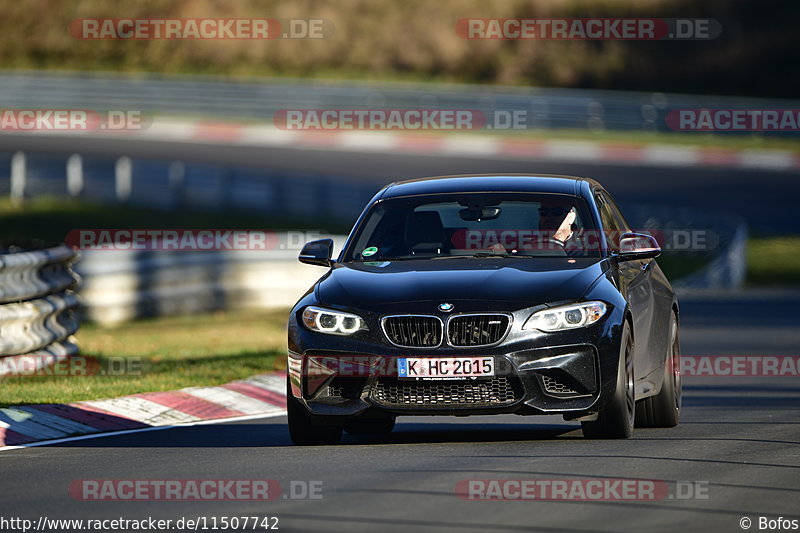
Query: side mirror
{"points": [[317, 253], [638, 246]]}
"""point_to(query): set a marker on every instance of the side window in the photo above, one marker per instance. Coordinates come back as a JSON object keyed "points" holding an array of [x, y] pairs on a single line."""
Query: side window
{"points": [[613, 223], [610, 225], [622, 224]]}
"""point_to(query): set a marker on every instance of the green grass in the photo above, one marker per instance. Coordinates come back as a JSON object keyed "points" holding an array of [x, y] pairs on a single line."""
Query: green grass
{"points": [[163, 354], [773, 261]]}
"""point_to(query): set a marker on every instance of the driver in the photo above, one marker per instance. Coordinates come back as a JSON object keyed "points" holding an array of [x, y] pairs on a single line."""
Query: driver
{"points": [[556, 229], [557, 224]]}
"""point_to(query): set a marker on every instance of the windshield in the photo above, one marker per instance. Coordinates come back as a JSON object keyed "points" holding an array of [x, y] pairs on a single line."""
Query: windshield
{"points": [[475, 225]]}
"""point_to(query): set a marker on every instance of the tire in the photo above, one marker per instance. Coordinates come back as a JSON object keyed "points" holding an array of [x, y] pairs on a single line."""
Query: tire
{"points": [[367, 426], [302, 429], [664, 409], [615, 420]]}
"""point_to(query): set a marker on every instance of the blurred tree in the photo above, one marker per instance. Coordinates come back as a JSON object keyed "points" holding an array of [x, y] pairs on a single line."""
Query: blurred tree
{"points": [[756, 54]]}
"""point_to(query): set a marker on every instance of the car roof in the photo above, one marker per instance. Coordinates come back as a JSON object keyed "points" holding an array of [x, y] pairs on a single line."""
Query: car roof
{"points": [[534, 183]]}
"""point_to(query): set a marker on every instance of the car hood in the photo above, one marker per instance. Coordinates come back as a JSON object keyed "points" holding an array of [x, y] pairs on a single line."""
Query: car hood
{"points": [[529, 281]]}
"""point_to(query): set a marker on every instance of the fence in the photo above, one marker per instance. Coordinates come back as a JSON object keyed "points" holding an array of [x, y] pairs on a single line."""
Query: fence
{"points": [[37, 307], [167, 185], [260, 99]]}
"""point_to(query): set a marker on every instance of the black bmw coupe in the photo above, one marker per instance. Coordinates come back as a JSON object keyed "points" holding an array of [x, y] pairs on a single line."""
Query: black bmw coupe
{"points": [[485, 294]]}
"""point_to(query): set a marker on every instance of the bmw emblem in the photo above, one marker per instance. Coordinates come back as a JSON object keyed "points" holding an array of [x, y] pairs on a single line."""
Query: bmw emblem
{"points": [[446, 307]]}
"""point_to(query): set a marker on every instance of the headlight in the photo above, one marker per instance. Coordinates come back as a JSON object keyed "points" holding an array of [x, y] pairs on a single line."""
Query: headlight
{"points": [[566, 317], [332, 322]]}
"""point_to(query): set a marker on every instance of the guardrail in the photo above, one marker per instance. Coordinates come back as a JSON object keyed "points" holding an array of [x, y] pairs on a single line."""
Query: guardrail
{"points": [[121, 285], [37, 308]]}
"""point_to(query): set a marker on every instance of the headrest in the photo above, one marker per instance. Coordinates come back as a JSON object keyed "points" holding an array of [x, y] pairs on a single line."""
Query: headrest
{"points": [[424, 230]]}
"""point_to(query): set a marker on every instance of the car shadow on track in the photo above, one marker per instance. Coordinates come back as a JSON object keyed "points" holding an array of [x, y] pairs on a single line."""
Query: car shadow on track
{"points": [[258, 435], [427, 433]]}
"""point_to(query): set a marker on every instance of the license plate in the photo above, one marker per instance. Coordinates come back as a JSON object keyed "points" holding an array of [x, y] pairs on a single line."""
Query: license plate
{"points": [[444, 367]]}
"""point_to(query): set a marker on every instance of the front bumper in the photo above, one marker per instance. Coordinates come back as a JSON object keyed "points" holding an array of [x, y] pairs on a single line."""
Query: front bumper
{"points": [[571, 373]]}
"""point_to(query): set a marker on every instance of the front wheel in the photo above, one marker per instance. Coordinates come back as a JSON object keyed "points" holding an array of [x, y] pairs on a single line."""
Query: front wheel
{"points": [[302, 429], [615, 420]]}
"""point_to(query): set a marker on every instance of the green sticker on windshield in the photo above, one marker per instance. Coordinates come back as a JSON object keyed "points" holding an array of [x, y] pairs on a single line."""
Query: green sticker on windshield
{"points": [[372, 250]]}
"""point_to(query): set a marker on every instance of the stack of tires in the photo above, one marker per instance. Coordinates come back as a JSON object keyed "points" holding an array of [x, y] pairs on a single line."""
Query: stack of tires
{"points": [[38, 308]]}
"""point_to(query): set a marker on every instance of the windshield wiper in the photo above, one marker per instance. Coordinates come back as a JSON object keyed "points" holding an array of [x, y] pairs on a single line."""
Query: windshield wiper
{"points": [[489, 254]]}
